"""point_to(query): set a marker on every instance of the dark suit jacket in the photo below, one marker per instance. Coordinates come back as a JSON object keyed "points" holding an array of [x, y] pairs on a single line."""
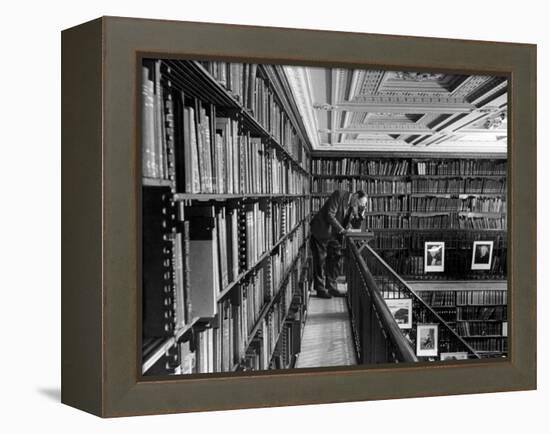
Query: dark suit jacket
{"points": [[328, 221]]}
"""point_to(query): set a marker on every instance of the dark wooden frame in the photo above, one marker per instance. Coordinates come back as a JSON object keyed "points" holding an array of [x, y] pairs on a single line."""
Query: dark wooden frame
{"points": [[100, 218]]}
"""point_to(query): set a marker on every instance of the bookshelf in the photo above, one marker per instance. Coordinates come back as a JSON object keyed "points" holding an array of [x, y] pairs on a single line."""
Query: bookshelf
{"points": [[476, 310], [226, 209], [414, 200]]}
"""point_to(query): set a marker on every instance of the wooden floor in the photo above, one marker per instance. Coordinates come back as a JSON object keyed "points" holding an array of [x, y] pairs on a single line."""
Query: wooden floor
{"points": [[327, 338]]}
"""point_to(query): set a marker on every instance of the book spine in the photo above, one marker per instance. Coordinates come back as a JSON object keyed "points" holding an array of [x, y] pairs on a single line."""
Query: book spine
{"points": [[148, 126]]}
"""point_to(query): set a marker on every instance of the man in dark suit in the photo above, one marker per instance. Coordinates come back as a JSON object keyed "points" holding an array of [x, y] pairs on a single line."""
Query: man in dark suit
{"points": [[327, 228]]}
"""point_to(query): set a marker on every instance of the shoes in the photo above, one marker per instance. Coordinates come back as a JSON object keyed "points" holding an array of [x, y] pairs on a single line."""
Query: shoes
{"points": [[323, 294]]}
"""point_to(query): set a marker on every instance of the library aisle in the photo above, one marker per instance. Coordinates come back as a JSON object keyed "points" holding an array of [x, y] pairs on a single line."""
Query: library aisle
{"points": [[327, 338], [238, 159]]}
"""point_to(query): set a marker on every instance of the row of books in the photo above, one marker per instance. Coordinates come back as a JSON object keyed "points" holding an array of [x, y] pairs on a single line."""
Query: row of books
{"points": [[374, 205], [272, 323], [460, 167], [485, 296], [447, 314], [474, 328], [211, 251], [185, 140], [357, 166], [369, 186], [248, 85], [458, 204], [456, 221], [444, 221], [480, 223], [465, 297], [459, 186], [497, 345], [258, 229], [387, 204], [287, 214], [158, 156], [288, 251], [265, 172], [260, 352], [481, 313], [217, 158], [401, 167], [387, 222], [225, 342], [439, 298], [388, 240]]}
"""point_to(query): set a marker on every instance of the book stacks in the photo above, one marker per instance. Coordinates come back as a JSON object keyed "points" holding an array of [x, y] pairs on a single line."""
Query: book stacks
{"points": [[477, 312], [226, 203], [412, 201]]}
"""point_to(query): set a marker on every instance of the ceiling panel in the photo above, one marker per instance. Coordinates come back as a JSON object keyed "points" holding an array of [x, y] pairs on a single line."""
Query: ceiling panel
{"points": [[376, 110]]}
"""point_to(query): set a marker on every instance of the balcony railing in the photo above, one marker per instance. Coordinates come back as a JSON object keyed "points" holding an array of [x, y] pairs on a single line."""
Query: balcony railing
{"points": [[377, 336], [390, 322]]}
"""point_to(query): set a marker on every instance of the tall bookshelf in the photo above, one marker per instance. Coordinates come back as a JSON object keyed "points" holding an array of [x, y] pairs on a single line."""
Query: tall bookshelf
{"points": [[415, 200], [226, 209], [477, 311]]}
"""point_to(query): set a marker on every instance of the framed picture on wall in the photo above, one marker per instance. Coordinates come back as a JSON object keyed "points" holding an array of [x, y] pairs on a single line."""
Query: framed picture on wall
{"points": [[401, 309], [461, 355], [198, 162], [434, 256], [427, 340], [482, 255]]}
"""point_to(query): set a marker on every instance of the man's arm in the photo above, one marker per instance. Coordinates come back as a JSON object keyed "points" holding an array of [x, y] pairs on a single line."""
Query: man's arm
{"points": [[332, 208]]}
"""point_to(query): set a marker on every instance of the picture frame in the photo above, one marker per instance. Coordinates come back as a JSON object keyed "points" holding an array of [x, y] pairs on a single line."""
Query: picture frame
{"points": [[427, 340], [434, 256], [482, 255], [454, 356], [100, 371], [401, 309]]}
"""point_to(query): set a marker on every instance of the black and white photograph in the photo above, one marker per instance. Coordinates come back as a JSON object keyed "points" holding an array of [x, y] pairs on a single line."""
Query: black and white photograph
{"points": [[401, 309], [427, 340], [434, 257], [217, 213], [482, 253], [279, 202], [454, 356]]}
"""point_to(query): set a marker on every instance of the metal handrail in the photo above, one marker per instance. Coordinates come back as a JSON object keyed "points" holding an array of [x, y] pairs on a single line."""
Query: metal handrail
{"points": [[401, 346]]}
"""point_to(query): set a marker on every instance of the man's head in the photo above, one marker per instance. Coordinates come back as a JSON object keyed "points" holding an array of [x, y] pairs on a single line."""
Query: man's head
{"points": [[359, 203], [433, 251], [483, 249]]}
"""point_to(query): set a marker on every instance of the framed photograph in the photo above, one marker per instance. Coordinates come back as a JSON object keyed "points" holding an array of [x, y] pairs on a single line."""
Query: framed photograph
{"points": [[401, 309], [427, 340], [482, 255], [434, 256], [454, 356], [205, 167]]}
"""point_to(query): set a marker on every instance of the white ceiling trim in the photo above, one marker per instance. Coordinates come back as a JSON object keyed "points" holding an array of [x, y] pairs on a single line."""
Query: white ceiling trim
{"points": [[300, 83]]}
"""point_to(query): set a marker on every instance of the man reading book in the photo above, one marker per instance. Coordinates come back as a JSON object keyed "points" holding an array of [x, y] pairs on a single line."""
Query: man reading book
{"points": [[327, 229]]}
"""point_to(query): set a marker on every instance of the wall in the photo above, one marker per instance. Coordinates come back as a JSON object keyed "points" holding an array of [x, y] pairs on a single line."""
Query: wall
{"points": [[30, 221]]}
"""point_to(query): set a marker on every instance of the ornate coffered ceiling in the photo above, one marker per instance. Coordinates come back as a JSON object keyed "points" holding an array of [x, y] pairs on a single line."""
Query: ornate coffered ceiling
{"points": [[374, 110]]}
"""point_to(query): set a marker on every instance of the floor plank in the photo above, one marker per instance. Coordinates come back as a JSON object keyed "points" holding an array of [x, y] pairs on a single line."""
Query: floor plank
{"points": [[327, 339]]}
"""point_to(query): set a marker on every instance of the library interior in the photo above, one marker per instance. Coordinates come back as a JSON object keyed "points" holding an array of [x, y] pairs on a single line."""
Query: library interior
{"points": [[306, 216]]}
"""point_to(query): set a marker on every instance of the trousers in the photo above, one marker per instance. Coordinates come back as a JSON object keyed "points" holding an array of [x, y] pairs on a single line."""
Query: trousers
{"points": [[327, 263]]}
